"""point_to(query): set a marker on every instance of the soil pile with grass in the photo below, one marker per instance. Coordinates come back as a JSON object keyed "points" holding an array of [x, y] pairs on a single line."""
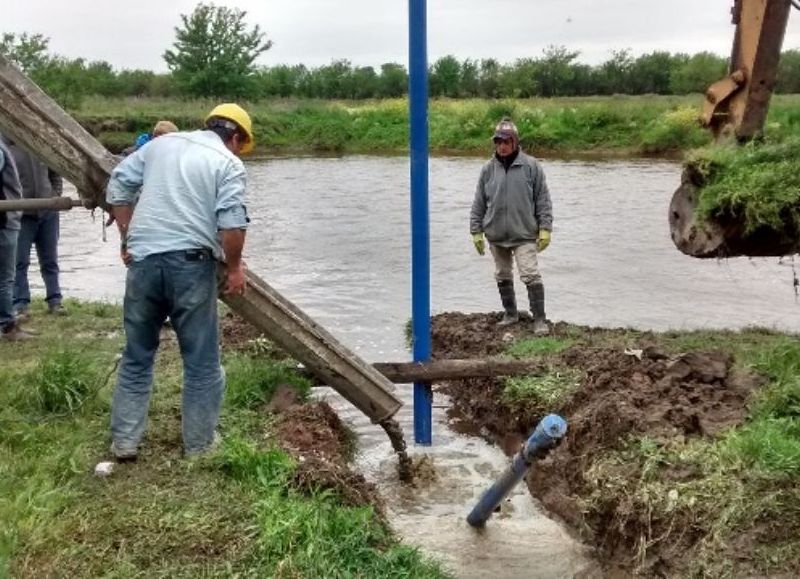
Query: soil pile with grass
{"points": [[627, 409], [323, 446]]}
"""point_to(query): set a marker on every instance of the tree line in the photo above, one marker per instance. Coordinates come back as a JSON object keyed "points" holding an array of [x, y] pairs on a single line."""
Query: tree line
{"points": [[215, 50]]}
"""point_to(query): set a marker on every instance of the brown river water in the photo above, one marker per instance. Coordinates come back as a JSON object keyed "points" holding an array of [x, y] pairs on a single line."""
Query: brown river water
{"points": [[332, 234]]}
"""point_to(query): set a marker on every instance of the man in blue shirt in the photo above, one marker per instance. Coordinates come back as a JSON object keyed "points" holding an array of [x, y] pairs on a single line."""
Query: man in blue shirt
{"points": [[188, 215]]}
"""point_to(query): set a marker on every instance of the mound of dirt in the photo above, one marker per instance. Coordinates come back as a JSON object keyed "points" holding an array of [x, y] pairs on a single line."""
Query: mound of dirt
{"points": [[236, 333], [315, 435], [644, 393]]}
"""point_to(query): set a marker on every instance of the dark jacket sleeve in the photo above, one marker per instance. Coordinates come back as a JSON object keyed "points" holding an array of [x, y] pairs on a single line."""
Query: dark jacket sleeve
{"points": [[543, 207], [56, 182], [478, 205]]}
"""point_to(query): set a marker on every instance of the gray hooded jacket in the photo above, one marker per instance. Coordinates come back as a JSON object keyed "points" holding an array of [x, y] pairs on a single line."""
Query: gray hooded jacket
{"points": [[511, 206]]}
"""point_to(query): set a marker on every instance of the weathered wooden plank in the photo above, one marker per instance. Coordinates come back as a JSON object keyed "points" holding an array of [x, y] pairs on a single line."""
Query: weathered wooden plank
{"points": [[33, 119], [327, 359], [437, 370]]}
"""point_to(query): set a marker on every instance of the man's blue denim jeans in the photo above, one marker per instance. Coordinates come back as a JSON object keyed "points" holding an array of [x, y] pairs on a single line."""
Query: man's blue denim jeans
{"points": [[8, 262], [161, 285], [43, 232]]}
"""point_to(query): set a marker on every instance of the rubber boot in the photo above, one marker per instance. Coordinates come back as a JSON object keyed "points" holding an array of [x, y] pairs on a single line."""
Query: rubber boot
{"points": [[509, 300], [536, 297]]}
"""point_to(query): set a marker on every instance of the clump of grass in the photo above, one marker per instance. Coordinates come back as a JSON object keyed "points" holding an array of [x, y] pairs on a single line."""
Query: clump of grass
{"points": [[758, 183], [62, 381], [251, 381], [534, 347], [770, 444], [548, 391]]}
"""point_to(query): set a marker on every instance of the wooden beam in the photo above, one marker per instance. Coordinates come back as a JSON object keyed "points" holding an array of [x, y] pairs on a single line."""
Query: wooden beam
{"points": [[437, 370], [456, 369]]}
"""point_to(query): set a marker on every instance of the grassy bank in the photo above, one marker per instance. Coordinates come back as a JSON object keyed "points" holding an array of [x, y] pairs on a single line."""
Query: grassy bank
{"points": [[616, 126], [237, 513], [683, 454]]}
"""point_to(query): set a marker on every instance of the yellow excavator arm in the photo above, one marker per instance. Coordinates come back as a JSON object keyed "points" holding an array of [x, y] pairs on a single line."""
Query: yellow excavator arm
{"points": [[737, 105], [735, 109]]}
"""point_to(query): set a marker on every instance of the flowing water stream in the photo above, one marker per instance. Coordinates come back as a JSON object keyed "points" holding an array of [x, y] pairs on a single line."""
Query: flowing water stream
{"points": [[332, 235]]}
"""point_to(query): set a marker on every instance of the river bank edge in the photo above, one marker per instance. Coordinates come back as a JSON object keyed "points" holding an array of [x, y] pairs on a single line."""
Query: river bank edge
{"points": [[618, 126]]}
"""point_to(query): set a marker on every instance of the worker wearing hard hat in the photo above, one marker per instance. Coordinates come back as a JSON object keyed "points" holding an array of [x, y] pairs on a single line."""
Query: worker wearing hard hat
{"points": [[512, 209], [190, 214], [162, 127]]}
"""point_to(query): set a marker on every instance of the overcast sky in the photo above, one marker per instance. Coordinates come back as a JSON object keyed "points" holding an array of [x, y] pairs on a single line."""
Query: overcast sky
{"points": [[135, 33]]}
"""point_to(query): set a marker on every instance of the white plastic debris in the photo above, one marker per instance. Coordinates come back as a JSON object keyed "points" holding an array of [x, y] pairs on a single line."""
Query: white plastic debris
{"points": [[634, 352], [104, 469]]}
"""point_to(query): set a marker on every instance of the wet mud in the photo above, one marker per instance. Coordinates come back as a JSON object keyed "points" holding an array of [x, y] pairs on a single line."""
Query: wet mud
{"points": [[648, 392]]}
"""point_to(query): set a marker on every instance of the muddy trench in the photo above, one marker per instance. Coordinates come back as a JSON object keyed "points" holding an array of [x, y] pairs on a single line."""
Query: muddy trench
{"points": [[622, 396]]}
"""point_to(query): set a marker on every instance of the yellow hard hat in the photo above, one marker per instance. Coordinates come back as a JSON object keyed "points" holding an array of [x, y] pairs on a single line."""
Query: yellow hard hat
{"points": [[236, 114]]}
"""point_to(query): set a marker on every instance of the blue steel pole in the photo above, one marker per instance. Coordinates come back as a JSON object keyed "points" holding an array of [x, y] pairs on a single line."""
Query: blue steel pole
{"points": [[420, 226], [550, 430]]}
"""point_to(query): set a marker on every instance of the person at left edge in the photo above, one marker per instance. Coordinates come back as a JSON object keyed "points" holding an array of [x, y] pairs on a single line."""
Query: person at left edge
{"points": [[39, 229], [10, 190]]}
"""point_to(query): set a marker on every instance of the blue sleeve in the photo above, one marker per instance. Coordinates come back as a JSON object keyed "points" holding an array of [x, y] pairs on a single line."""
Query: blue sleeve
{"points": [[2, 160], [126, 180], [230, 208]]}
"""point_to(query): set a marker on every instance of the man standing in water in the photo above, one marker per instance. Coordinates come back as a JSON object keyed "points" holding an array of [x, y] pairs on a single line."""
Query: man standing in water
{"points": [[512, 208], [189, 215]]}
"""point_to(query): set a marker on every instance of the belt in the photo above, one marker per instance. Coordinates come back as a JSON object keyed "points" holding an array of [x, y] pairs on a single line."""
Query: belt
{"points": [[201, 254]]}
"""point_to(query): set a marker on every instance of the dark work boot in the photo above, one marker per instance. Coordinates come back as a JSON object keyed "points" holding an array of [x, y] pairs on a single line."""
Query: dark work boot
{"points": [[506, 288], [536, 297], [13, 333]]}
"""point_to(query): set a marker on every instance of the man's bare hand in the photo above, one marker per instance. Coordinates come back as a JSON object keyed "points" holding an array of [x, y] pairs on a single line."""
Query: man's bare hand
{"points": [[126, 257], [235, 281]]}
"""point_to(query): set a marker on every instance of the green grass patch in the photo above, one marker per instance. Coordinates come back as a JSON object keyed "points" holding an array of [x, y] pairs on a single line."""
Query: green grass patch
{"points": [[536, 346], [548, 391], [758, 183], [251, 382], [62, 381], [230, 515], [314, 537]]}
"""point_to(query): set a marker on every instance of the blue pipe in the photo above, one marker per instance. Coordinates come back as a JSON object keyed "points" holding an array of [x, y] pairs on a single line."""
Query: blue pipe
{"points": [[420, 227], [549, 431]]}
